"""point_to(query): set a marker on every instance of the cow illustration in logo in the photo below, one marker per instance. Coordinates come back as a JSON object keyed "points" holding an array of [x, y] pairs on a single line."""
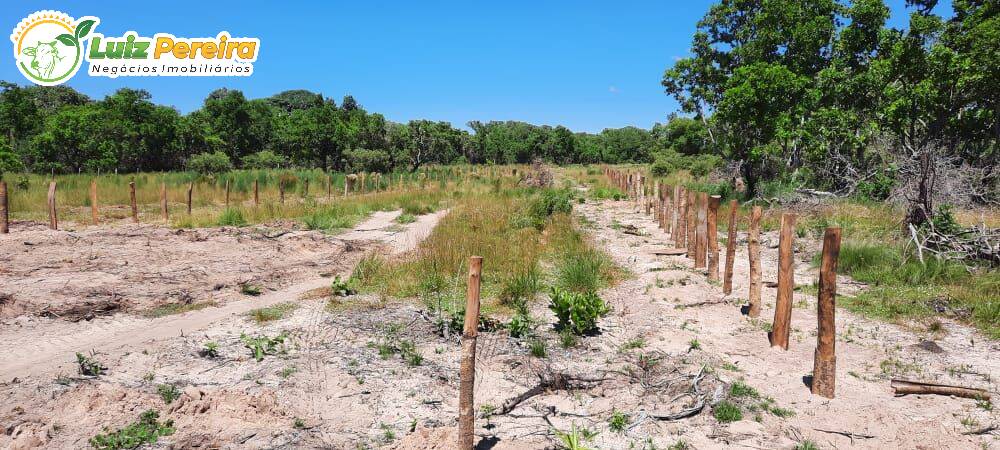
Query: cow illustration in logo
{"points": [[45, 55]]}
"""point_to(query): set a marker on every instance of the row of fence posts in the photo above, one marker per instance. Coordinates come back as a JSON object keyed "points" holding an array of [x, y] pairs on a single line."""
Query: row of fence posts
{"points": [[355, 183], [690, 219]]}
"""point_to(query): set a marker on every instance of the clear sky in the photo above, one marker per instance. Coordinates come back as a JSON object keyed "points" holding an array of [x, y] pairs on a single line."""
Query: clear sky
{"points": [[587, 65]]}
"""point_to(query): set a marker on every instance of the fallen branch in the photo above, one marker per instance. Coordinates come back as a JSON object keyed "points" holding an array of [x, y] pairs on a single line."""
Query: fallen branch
{"points": [[904, 387], [555, 381], [986, 430], [849, 434]]}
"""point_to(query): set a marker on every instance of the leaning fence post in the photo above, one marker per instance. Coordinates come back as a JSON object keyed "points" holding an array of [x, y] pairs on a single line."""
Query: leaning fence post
{"points": [[712, 236], [786, 283], [131, 199], [466, 411], [190, 196], [4, 209], [825, 360], [93, 200], [53, 221], [727, 277], [753, 250], [163, 202]]}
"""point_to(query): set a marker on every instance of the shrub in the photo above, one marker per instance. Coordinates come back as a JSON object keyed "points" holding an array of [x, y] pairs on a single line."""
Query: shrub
{"points": [[89, 366], [260, 346], [363, 160], [521, 325], [341, 288], [549, 202], [208, 163], [145, 431], [263, 160], [168, 392], [577, 312]]}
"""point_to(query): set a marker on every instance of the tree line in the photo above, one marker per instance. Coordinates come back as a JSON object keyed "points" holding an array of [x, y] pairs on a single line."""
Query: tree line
{"points": [[57, 129], [824, 92]]}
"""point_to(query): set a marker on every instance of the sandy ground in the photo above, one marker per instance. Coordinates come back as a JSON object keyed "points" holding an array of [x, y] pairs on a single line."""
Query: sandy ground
{"points": [[328, 387]]}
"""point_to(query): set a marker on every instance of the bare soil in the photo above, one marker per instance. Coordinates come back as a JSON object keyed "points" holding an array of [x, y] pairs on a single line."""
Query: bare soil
{"points": [[330, 386]]}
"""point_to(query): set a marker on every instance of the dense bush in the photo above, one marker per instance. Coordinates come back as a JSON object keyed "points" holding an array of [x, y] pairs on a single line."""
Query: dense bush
{"points": [[549, 202], [362, 160], [263, 160], [207, 163], [577, 312], [669, 161]]}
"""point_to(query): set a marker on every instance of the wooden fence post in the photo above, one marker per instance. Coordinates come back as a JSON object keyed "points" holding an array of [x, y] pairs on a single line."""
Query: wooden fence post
{"points": [[329, 188], [466, 410], [786, 283], [680, 237], [93, 201], [674, 210], [753, 250], [256, 193], [701, 233], [131, 199], [53, 220], [281, 192], [727, 277], [825, 360], [691, 212], [305, 188], [4, 209], [712, 235], [227, 193], [164, 210], [190, 196]]}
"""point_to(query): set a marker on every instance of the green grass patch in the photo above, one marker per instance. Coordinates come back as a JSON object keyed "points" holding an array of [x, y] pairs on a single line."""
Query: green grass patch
{"points": [[271, 313]]}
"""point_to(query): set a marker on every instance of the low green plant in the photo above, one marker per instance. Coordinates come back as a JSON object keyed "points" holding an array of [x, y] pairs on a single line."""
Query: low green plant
{"points": [[88, 365], [694, 345], [567, 339], [537, 348], [168, 392], [210, 350], [618, 421], [577, 312], [250, 289], [806, 445], [575, 438], [298, 423], [521, 326], [740, 389], [341, 288], [262, 345], [405, 218], [726, 412], [147, 430]]}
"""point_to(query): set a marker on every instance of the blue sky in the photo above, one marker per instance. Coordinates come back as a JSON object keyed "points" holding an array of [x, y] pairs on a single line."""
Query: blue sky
{"points": [[584, 64]]}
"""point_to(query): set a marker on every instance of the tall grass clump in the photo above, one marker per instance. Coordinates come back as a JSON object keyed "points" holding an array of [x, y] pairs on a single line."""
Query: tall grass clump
{"points": [[903, 287], [232, 217]]}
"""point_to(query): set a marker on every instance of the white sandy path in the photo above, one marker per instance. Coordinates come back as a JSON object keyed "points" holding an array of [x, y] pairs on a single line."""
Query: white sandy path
{"points": [[50, 354]]}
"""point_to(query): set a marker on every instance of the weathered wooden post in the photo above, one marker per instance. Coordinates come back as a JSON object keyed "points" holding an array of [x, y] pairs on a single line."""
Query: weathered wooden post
{"points": [[680, 236], [825, 360], [712, 237], [305, 188], [281, 191], [691, 224], [362, 186], [93, 201], [4, 209], [786, 283], [131, 199], [256, 193], [727, 277], [190, 196], [53, 220], [349, 183], [466, 411], [329, 188], [753, 250], [674, 211], [164, 210], [227, 193], [701, 234]]}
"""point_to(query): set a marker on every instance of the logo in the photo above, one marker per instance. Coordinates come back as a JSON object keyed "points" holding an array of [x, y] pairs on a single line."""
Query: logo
{"points": [[49, 48]]}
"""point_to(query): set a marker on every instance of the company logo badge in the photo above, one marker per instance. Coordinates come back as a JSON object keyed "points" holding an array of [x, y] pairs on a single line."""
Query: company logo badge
{"points": [[49, 48]]}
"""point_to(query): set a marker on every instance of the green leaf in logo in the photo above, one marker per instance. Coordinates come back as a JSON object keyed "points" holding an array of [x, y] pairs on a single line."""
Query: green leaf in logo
{"points": [[84, 28], [67, 39]]}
